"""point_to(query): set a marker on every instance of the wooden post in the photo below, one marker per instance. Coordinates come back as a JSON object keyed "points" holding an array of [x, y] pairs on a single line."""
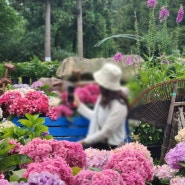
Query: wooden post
{"points": [[167, 130]]}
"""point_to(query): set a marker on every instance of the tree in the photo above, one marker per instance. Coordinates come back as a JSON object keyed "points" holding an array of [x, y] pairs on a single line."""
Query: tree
{"points": [[80, 28], [48, 31]]}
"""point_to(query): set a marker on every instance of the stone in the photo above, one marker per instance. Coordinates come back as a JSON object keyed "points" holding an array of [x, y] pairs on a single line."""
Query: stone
{"points": [[71, 64]]}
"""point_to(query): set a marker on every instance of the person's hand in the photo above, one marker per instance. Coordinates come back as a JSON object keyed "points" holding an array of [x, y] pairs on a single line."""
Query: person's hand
{"points": [[77, 101], [82, 142]]}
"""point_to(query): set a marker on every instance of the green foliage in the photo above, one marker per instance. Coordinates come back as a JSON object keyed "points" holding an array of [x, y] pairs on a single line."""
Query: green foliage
{"points": [[9, 162], [149, 135], [32, 127]]}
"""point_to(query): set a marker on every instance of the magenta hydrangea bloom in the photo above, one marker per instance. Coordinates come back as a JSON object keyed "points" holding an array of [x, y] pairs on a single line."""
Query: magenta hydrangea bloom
{"points": [[105, 177], [151, 3], [55, 166], [118, 57], [134, 167], [180, 14], [176, 155], [164, 14]]}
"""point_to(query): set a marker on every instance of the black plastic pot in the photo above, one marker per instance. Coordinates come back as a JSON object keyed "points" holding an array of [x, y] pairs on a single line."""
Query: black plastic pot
{"points": [[155, 151], [15, 81], [25, 80]]}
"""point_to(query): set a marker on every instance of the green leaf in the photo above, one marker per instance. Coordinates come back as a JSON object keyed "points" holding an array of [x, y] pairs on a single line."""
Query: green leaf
{"points": [[17, 175], [32, 118], [75, 170], [41, 128], [182, 164], [13, 160], [26, 123]]}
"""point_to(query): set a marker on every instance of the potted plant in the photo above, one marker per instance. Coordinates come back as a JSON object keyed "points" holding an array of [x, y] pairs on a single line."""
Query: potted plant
{"points": [[151, 137]]}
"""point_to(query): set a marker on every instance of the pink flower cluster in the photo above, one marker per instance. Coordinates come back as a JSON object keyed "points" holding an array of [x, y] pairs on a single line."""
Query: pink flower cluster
{"points": [[105, 177], [97, 158], [56, 166], [135, 146], [164, 172], [4, 182], [164, 14], [180, 14], [37, 84], [39, 150], [58, 111], [16, 148], [134, 167], [18, 104], [151, 3], [177, 181], [87, 94]]}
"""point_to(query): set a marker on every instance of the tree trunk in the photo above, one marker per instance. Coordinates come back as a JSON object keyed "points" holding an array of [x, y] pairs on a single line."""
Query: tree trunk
{"points": [[80, 28], [48, 31]]}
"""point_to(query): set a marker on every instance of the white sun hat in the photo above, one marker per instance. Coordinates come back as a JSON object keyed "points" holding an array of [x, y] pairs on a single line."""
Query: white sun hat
{"points": [[109, 77]]}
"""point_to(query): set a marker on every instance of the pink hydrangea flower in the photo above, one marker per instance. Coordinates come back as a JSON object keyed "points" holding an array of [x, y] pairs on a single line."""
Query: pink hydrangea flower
{"points": [[37, 84], [4, 182], [177, 181], [41, 149], [164, 172], [97, 158], [105, 177], [55, 166], [134, 167], [17, 147]]}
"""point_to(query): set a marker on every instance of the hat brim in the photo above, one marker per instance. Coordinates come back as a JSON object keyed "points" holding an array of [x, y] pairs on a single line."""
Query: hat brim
{"points": [[102, 81]]}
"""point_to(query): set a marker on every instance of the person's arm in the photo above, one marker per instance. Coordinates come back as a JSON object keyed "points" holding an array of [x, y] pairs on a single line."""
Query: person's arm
{"points": [[85, 111], [117, 114], [82, 108]]}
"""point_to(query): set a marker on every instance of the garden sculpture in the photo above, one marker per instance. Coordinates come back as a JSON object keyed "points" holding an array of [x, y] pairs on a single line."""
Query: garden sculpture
{"points": [[5, 80], [162, 105]]}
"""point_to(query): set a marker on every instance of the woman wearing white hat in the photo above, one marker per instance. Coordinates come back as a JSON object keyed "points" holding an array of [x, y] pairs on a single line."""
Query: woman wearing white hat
{"points": [[107, 120]]}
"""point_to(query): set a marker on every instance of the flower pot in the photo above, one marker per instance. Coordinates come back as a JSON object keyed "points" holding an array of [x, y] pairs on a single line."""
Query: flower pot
{"points": [[64, 129], [155, 151], [15, 81], [25, 80]]}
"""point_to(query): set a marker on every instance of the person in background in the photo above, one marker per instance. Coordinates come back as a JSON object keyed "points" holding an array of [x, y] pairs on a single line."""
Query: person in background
{"points": [[107, 120]]}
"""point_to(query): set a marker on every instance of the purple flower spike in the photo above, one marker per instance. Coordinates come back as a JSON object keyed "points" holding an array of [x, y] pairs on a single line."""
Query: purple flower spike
{"points": [[118, 57], [164, 14], [151, 3], [180, 14], [129, 61]]}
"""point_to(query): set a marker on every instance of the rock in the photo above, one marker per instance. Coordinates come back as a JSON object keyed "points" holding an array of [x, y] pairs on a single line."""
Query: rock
{"points": [[91, 65], [51, 81]]}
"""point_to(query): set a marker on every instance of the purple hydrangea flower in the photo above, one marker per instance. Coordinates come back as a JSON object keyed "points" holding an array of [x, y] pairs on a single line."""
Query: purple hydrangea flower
{"points": [[151, 3], [176, 155], [167, 62], [43, 134], [164, 14], [180, 14], [37, 84], [118, 57], [45, 178], [18, 86]]}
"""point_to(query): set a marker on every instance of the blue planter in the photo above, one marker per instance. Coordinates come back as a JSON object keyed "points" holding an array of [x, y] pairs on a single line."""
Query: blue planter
{"points": [[63, 129]]}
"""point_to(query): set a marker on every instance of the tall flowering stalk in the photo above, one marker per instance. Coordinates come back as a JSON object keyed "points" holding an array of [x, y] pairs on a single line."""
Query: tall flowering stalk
{"points": [[163, 15], [152, 27], [179, 19], [136, 26]]}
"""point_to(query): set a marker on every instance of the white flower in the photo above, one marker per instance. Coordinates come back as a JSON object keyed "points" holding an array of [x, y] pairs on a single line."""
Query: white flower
{"points": [[6, 124], [54, 101]]}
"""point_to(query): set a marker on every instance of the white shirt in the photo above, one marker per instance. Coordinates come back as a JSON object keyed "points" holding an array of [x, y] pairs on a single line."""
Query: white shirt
{"points": [[105, 123]]}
